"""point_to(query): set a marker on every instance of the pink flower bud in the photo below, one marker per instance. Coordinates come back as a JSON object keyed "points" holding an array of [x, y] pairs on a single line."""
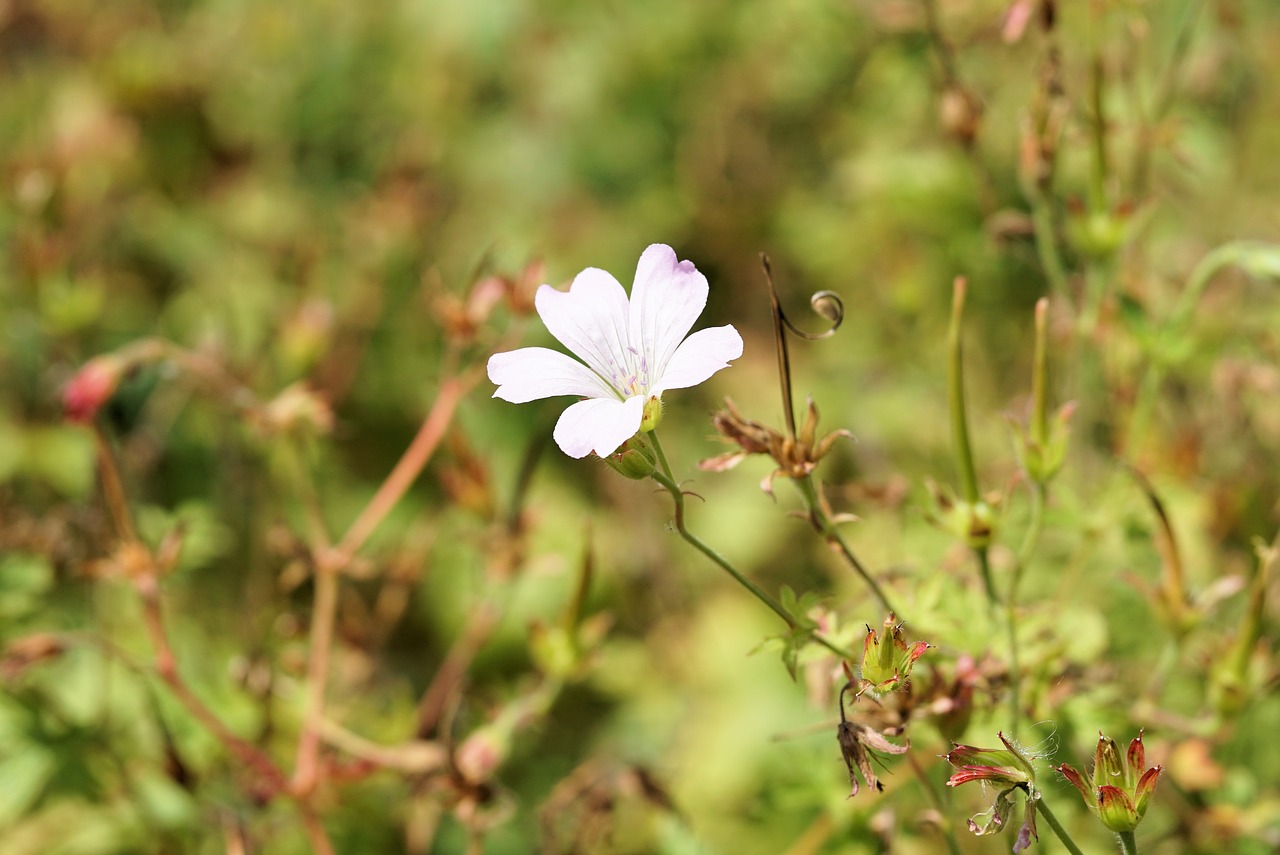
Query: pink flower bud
{"points": [[91, 387]]}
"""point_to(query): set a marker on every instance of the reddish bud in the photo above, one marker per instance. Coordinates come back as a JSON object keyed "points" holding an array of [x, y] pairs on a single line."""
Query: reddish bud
{"points": [[91, 387], [1122, 786]]}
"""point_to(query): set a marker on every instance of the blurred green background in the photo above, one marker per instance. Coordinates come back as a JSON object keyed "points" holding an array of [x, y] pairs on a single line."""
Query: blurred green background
{"points": [[298, 189]]}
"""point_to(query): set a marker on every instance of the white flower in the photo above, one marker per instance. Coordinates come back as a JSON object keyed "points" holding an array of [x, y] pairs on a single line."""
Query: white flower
{"points": [[633, 350]]}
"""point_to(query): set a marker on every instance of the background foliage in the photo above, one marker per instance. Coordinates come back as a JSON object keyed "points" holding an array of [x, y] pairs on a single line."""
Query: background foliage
{"points": [[308, 190]]}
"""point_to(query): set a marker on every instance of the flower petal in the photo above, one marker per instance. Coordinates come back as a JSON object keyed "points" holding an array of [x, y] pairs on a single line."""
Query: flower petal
{"points": [[531, 373], [591, 320], [667, 297], [599, 425], [698, 357]]}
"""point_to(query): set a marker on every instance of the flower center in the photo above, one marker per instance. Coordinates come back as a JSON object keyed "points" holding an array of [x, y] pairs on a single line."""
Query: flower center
{"points": [[630, 376]]}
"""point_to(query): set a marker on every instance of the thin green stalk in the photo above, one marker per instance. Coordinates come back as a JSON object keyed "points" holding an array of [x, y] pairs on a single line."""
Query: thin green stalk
{"points": [[960, 427], [1025, 551], [826, 527], [667, 480], [1097, 276], [1128, 845], [1101, 162], [955, 397], [1056, 826], [1047, 245], [1040, 377]]}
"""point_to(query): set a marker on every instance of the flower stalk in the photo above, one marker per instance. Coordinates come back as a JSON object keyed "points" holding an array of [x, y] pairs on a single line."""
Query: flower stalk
{"points": [[664, 477], [1043, 809], [978, 528], [826, 526]]}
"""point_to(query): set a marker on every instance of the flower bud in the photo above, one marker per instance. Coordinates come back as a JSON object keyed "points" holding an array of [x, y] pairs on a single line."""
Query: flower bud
{"points": [[652, 414], [634, 459], [91, 387], [887, 661], [480, 754], [1006, 766], [1122, 786], [297, 410], [974, 523], [1012, 769]]}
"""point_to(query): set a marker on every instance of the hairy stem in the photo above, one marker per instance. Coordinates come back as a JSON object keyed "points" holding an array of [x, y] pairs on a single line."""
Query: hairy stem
{"points": [[1128, 844], [1062, 833]]}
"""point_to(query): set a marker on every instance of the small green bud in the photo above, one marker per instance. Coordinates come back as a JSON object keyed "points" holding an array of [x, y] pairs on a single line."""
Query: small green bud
{"points": [[652, 414], [635, 459], [887, 660], [1122, 783]]}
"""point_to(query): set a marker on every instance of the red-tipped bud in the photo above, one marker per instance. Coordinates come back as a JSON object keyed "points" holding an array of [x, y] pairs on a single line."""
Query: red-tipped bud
{"points": [[1007, 766], [1146, 786], [887, 660], [1122, 786], [91, 387]]}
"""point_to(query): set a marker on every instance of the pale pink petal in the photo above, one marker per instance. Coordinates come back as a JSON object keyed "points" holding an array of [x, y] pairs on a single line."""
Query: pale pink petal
{"points": [[701, 355], [599, 425], [531, 373], [591, 320], [667, 297]]}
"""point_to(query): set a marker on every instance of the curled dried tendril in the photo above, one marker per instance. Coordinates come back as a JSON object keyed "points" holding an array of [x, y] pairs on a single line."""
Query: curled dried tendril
{"points": [[826, 304]]}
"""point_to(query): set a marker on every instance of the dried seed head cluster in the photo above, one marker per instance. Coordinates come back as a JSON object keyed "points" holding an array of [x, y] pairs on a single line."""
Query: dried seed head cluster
{"points": [[796, 456]]}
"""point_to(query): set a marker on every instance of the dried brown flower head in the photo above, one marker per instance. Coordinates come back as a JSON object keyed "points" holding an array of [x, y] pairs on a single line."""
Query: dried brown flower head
{"points": [[796, 456]]}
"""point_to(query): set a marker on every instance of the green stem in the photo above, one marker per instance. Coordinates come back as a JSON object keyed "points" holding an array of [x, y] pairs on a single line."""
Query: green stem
{"points": [[826, 527], [1056, 826], [1040, 377], [1025, 551], [1128, 845], [1101, 163], [960, 427], [1096, 278], [1047, 244], [667, 480], [955, 398]]}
